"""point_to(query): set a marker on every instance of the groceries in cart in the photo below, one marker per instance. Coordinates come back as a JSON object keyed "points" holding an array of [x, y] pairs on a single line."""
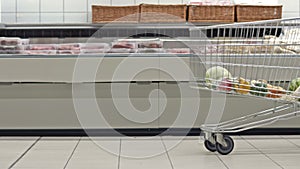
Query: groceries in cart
{"points": [[295, 87], [216, 75], [219, 78]]}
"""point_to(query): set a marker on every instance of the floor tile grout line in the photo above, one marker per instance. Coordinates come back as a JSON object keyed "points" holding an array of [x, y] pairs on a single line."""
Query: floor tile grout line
{"points": [[119, 157], [263, 153], [222, 161], [167, 152], [290, 142], [71, 155], [25, 152]]}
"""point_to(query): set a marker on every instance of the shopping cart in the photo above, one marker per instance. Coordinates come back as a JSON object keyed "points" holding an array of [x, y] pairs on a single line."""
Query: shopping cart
{"points": [[255, 59]]}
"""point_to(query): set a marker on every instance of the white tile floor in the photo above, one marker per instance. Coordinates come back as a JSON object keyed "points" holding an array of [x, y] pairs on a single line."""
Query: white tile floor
{"points": [[259, 152]]}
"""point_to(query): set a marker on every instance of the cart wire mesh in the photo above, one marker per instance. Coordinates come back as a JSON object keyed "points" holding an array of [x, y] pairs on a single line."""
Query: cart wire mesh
{"points": [[258, 59]]}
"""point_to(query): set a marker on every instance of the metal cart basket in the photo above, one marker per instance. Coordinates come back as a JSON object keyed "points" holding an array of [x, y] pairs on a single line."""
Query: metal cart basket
{"points": [[255, 59]]}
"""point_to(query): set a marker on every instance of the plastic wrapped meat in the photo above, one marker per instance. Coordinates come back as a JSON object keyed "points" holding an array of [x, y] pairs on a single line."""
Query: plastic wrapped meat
{"points": [[10, 41], [40, 52], [94, 46], [179, 50], [11, 49], [151, 50], [150, 44], [75, 46], [120, 50], [123, 44], [68, 52], [41, 47]]}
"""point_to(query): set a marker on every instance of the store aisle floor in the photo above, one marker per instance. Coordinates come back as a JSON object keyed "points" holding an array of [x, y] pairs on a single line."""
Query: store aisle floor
{"points": [[260, 152]]}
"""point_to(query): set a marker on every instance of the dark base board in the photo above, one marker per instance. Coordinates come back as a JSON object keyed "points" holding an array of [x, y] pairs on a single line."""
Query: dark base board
{"points": [[137, 132]]}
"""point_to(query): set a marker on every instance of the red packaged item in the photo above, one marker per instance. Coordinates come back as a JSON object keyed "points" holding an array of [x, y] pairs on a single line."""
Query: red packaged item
{"points": [[69, 46], [94, 46], [10, 41], [68, 52], [41, 47], [123, 44], [150, 44], [40, 52]]}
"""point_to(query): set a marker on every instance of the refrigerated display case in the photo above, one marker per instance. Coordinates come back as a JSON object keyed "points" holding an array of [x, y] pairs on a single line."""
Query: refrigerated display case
{"points": [[37, 89]]}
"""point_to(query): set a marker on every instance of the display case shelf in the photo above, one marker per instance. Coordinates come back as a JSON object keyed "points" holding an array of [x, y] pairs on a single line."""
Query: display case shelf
{"points": [[115, 30]]}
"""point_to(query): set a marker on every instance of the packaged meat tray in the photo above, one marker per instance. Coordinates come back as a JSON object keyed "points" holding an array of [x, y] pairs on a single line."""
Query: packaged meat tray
{"points": [[40, 52], [94, 46], [68, 46], [10, 41], [68, 52], [151, 50], [19, 47], [150, 44], [11, 49], [179, 51], [120, 50], [124, 44], [41, 47]]}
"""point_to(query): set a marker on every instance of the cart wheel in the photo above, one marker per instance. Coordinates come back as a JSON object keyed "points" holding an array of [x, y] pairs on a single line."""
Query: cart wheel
{"points": [[210, 146], [225, 150]]}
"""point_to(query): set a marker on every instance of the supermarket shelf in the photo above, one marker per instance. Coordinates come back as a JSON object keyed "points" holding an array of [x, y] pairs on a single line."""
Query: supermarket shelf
{"points": [[114, 30]]}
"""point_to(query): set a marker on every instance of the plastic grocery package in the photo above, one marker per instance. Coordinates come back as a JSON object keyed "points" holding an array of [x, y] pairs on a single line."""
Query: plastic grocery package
{"points": [[150, 44], [68, 46], [68, 52], [11, 41], [11, 49], [94, 46], [40, 52], [124, 44], [151, 50], [120, 50], [41, 47]]}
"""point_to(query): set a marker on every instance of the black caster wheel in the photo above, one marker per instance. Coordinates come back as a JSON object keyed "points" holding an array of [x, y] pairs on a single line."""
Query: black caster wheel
{"points": [[225, 150], [210, 146]]}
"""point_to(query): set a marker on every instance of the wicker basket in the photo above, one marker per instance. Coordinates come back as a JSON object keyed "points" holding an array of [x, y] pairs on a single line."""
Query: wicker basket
{"points": [[106, 14], [163, 13], [247, 13], [211, 13]]}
